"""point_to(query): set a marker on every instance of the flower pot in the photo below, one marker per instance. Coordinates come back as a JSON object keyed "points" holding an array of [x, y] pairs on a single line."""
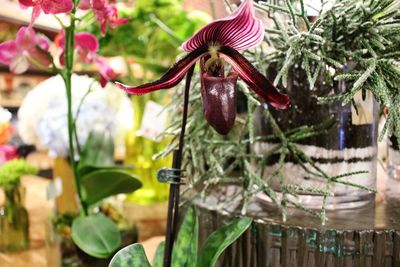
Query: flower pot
{"points": [[14, 221], [349, 146]]}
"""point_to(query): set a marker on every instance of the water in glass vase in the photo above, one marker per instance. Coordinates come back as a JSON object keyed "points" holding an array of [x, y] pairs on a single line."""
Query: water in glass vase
{"points": [[14, 221]]}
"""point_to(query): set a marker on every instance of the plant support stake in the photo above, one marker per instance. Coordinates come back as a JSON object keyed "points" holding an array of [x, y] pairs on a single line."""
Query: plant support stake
{"points": [[173, 202]]}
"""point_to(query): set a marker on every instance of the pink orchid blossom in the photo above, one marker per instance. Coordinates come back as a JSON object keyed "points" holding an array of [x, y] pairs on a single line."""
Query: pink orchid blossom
{"points": [[27, 48], [86, 46], [106, 14], [215, 45], [105, 71], [47, 6]]}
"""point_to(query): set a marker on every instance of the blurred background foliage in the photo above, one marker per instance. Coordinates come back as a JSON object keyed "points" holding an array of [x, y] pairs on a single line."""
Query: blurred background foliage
{"points": [[153, 35]]}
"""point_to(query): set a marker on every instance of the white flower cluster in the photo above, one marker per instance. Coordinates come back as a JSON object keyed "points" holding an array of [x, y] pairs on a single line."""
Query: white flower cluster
{"points": [[43, 113]]}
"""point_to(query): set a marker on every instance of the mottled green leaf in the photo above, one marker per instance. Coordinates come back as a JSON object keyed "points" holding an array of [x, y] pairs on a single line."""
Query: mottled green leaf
{"points": [[184, 253], [159, 257], [130, 256], [96, 235], [219, 240]]}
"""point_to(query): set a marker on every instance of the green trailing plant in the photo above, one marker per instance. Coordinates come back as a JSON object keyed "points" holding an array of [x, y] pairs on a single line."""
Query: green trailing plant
{"points": [[11, 172], [186, 252]]}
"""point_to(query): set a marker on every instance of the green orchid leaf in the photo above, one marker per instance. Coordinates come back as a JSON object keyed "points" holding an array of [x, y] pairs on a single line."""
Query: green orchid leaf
{"points": [[87, 168], [184, 253], [103, 183], [159, 257], [219, 240], [98, 151], [96, 235], [130, 256]]}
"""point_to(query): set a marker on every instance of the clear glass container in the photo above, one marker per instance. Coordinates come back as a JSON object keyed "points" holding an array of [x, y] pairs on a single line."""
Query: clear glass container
{"points": [[349, 146], [14, 221], [393, 158], [139, 153]]}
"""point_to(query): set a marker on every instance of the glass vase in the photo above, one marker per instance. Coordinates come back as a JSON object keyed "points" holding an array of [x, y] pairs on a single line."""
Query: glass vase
{"points": [[139, 153], [393, 158], [14, 221], [349, 146]]}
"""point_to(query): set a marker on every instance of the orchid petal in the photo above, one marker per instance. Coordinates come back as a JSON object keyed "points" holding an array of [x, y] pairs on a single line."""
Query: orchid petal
{"points": [[26, 38], [8, 51], [86, 45], [241, 30], [106, 14], [56, 6], [86, 41], [171, 78], [27, 3], [105, 71], [218, 95], [19, 65], [119, 21], [256, 81]]}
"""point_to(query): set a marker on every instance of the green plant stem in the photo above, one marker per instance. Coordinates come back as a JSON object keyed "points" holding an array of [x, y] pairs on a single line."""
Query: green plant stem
{"points": [[67, 77]]}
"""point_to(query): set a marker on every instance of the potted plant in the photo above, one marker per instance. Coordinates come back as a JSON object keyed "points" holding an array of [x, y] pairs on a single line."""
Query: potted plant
{"points": [[94, 176], [272, 166], [344, 59], [215, 47], [14, 221]]}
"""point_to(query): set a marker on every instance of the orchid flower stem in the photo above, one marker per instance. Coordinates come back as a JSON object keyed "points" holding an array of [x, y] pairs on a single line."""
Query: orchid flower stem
{"points": [[173, 203], [67, 76]]}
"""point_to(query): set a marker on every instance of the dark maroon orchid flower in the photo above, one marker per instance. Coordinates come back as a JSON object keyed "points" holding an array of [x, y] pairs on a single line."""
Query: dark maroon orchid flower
{"points": [[215, 45]]}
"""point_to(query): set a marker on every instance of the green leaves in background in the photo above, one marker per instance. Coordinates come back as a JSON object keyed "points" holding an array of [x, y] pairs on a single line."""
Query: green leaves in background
{"points": [[185, 253], [103, 183], [96, 235], [130, 256], [185, 249], [100, 177], [218, 241]]}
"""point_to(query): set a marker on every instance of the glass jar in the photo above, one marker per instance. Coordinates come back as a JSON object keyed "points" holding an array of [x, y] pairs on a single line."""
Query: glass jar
{"points": [[393, 158], [140, 150], [349, 146], [14, 221]]}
